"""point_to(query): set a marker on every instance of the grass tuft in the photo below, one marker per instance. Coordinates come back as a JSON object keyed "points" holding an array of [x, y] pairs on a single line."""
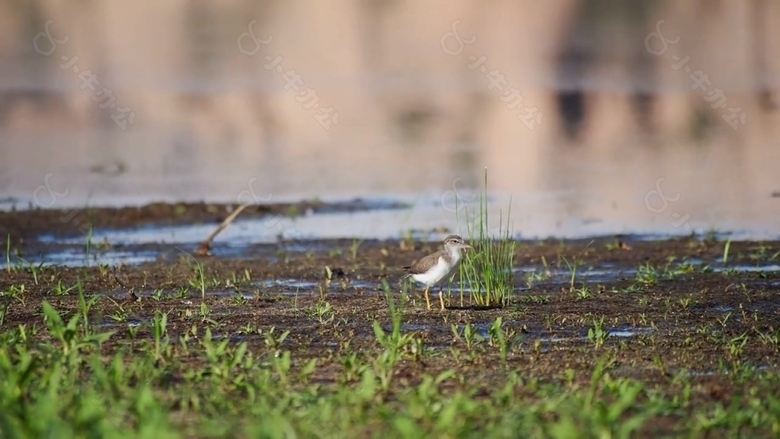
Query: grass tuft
{"points": [[487, 273]]}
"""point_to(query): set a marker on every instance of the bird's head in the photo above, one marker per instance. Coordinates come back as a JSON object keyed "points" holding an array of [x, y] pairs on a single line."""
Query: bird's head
{"points": [[455, 243]]}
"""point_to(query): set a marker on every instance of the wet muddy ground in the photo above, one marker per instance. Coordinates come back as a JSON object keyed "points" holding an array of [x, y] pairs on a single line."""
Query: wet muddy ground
{"points": [[659, 308]]}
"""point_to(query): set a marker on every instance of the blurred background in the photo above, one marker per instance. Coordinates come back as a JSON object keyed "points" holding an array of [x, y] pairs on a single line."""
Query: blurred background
{"points": [[595, 116]]}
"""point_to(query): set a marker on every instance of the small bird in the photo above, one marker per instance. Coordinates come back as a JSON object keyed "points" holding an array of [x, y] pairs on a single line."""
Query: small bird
{"points": [[437, 266]]}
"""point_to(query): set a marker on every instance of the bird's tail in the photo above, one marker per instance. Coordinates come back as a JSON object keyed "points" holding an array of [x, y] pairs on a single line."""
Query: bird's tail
{"points": [[406, 275]]}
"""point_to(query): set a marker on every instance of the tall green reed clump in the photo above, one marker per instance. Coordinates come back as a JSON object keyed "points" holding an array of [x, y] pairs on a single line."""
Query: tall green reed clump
{"points": [[487, 271]]}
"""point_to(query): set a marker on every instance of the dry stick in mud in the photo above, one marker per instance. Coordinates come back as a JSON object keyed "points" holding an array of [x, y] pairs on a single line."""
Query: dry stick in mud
{"points": [[204, 248]]}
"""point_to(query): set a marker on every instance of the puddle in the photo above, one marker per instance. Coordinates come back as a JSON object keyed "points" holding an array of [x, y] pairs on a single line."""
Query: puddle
{"points": [[764, 368], [607, 273], [415, 327], [747, 268], [604, 274], [370, 286], [130, 323], [552, 337], [305, 247], [166, 294], [286, 283], [629, 332], [286, 287], [232, 293], [583, 335], [68, 254], [76, 257]]}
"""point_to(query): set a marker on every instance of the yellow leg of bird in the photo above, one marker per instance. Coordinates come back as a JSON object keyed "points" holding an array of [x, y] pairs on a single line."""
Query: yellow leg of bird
{"points": [[427, 299], [441, 299]]}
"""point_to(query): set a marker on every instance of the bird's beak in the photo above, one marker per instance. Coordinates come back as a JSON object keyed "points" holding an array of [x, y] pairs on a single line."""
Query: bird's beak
{"points": [[467, 246]]}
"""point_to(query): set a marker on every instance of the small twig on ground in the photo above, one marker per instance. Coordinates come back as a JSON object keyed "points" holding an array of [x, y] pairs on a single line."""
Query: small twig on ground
{"points": [[204, 248]]}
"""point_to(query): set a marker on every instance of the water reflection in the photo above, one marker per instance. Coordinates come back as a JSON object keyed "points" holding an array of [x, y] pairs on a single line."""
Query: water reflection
{"points": [[361, 100]]}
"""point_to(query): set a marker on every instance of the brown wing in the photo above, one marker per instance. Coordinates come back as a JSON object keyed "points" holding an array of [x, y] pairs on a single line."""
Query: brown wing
{"points": [[424, 264]]}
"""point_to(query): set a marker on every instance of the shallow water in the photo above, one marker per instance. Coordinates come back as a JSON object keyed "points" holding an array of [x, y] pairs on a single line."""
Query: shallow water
{"points": [[771, 268], [78, 257], [624, 146], [385, 219], [605, 273]]}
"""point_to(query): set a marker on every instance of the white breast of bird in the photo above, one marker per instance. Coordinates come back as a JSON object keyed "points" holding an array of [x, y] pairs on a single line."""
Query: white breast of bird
{"points": [[437, 273]]}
